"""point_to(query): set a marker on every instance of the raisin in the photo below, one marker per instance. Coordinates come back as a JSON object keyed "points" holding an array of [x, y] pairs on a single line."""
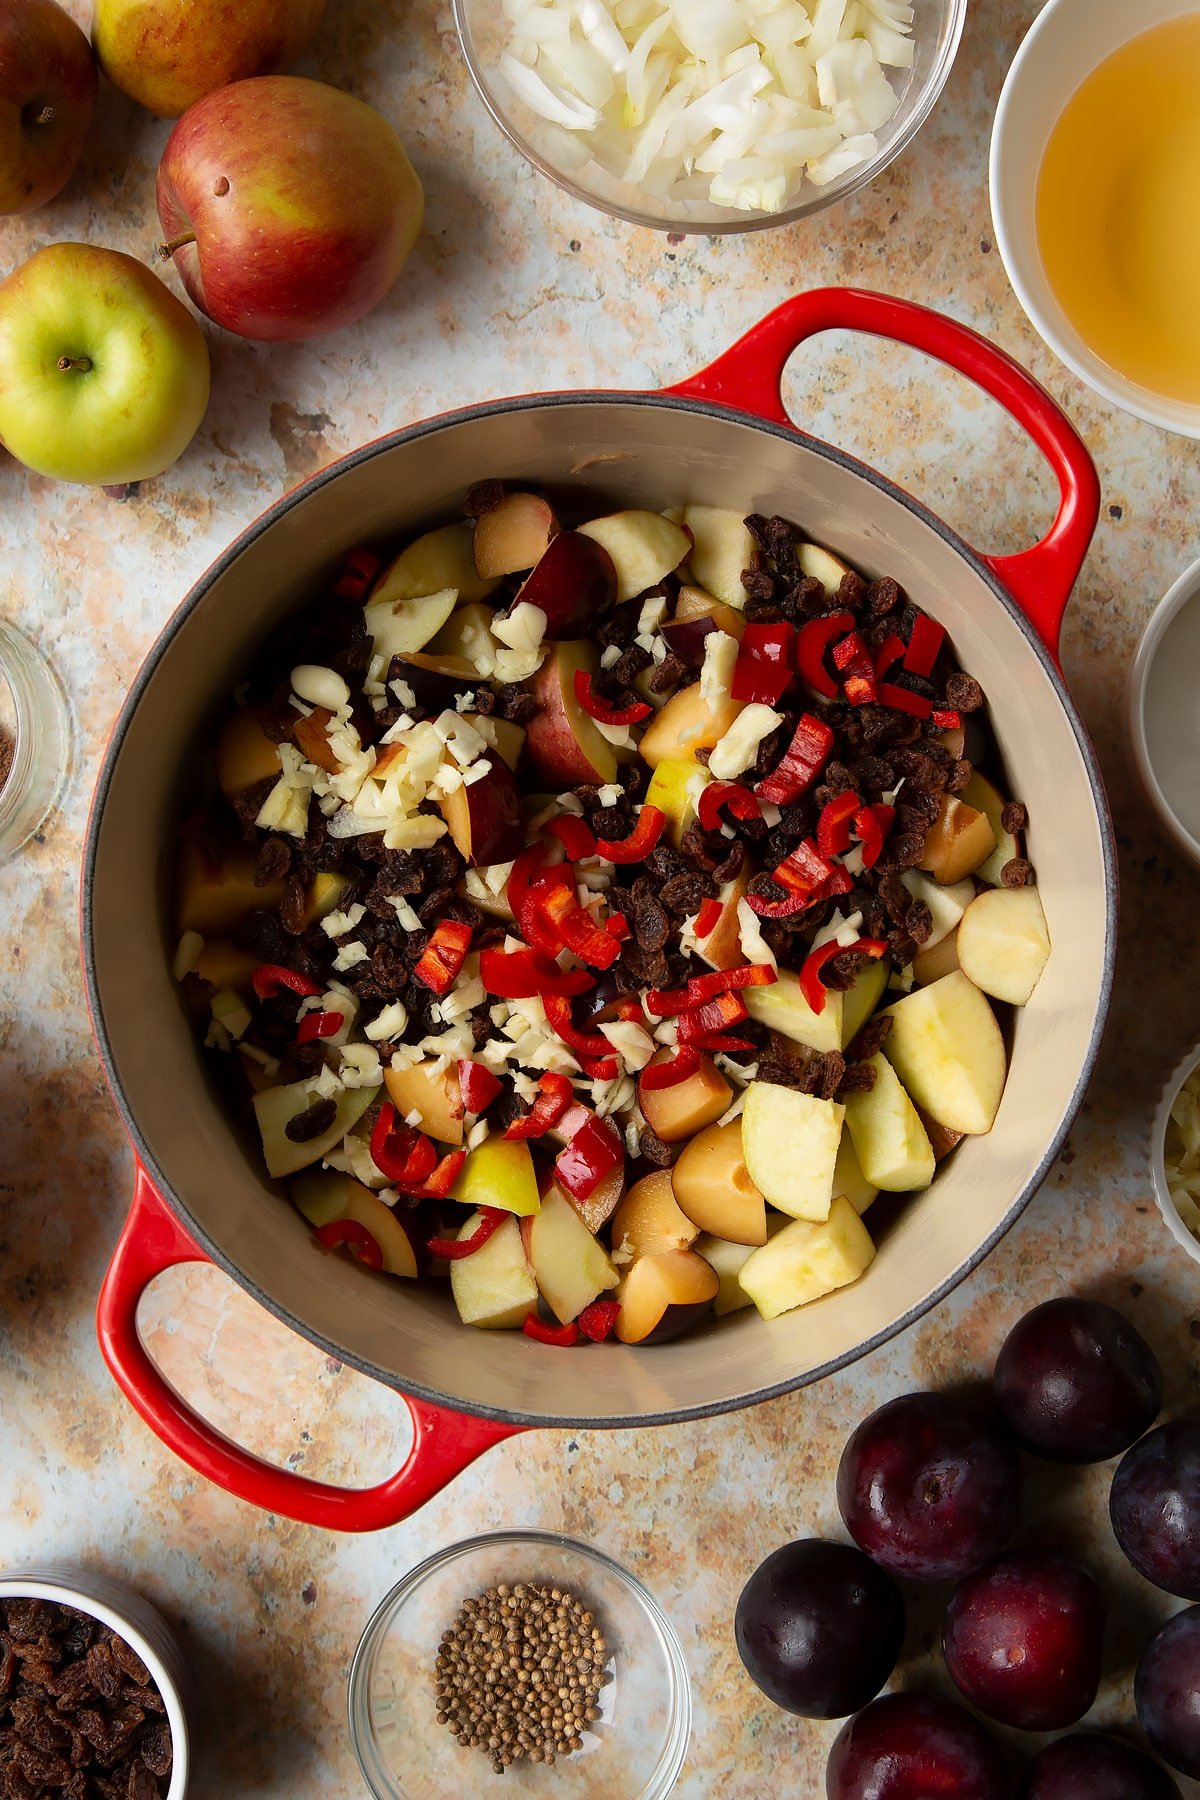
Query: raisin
{"points": [[293, 908], [651, 925], [274, 861], [871, 1039], [312, 1122], [515, 703], [686, 893], [959, 776], [963, 693], [482, 497], [857, 1078], [918, 922], [669, 673], [883, 596], [1013, 817], [1017, 873], [629, 665], [652, 1148]]}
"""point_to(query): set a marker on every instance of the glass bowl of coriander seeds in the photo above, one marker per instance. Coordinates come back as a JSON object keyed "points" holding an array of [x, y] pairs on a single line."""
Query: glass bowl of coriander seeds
{"points": [[523, 1655]]}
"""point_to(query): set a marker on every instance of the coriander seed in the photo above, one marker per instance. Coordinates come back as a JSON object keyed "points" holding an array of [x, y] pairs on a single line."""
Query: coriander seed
{"points": [[519, 1672]]}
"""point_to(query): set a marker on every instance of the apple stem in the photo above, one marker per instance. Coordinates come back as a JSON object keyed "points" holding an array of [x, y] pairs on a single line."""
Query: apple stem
{"points": [[45, 116], [167, 251], [81, 363]]}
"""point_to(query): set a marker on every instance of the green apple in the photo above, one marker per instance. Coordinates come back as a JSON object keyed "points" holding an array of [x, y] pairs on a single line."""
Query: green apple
{"points": [[104, 374], [166, 55], [48, 86]]}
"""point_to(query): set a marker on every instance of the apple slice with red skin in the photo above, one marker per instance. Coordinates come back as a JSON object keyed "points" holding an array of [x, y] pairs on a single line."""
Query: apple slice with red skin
{"points": [[649, 1221], [562, 745], [575, 584], [442, 558], [661, 1296], [486, 818], [513, 536], [644, 546], [697, 615]]}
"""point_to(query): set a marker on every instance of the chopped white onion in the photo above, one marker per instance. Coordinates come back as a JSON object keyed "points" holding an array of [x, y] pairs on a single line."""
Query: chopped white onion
{"points": [[735, 102]]}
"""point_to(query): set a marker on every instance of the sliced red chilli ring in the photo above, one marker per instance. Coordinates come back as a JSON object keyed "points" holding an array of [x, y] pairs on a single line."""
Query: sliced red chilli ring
{"points": [[349, 1234], [601, 710], [454, 1249]]}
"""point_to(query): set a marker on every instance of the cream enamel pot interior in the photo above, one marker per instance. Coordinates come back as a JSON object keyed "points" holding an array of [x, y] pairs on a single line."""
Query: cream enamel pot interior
{"points": [[722, 438]]}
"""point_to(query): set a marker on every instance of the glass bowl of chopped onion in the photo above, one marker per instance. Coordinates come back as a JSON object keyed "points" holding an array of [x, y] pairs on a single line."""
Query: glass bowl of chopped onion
{"points": [[408, 1749], [710, 116], [1175, 1154]]}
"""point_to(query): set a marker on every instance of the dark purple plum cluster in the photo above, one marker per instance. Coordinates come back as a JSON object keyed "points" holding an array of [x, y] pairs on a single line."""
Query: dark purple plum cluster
{"points": [[929, 1489]]}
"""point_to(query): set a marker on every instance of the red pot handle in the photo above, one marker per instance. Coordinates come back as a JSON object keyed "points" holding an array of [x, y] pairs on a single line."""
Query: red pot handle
{"points": [[749, 377], [444, 1442]]}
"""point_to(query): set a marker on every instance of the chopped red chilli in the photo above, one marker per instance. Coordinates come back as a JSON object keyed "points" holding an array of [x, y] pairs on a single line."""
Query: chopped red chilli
{"points": [[731, 794], [319, 1025], [358, 573], [478, 1086], [270, 979], [598, 1321], [555, 1095], [672, 1070], [641, 840], [454, 1249], [350, 1235], [800, 764], [811, 647], [574, 836], [593, 1152], [444, 955], [526, 974], [924, 645], [601, 711], [561, 1335]]}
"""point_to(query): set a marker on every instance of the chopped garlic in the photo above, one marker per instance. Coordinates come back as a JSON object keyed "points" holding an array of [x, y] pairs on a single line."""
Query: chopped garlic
{"points": [[739, 746], [634, 1045], [610, 655], [350, 955], [609, 794], [403, 693], [391, 1023], [654, 611], [478, 1134], [846, 931], [523, 628], [755, 947], [230, 1011], [716, 671], [285, 809], [337, 924], [360, 1066], [418, 832], [404, 912], [323, 687]]}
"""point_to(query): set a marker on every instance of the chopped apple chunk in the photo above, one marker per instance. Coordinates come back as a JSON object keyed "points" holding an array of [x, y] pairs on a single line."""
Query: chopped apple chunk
{"points": [[783, 1007], [889, 1139], [721, 549], [946, 1047], [493, 1287], [439, 559], [499, 1172], [322, 1198], [1003, 943], [860, 1001], [848, 1178], [214, 896], [728, 1259], [686, 724], [790, 1141], [563, 745], [245, 754], [644, 548], [276, 1107], [399, 627], [570, 1267], [987, 799], [513, 536], [807, 1260]]}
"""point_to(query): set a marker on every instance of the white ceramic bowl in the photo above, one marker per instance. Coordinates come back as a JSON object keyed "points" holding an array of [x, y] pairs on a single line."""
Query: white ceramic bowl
{"points": [[1163, 712], [143, 1628], [1158, 1167], [1067, 41]]}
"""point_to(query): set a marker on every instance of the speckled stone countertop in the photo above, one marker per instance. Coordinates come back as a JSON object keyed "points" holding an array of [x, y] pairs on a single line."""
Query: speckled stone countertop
{"points": [[512, 286]]}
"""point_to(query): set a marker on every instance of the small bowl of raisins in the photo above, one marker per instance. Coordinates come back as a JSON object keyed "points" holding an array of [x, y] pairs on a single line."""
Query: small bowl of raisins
{"points": [[91, 1689]]}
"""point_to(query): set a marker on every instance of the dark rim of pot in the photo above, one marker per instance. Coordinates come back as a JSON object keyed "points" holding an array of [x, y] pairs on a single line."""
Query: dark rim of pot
{"points": [[430, 427]]}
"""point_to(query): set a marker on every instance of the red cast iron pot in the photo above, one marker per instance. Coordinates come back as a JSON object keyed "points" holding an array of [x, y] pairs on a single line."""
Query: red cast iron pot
{"points": [[724, 438]]}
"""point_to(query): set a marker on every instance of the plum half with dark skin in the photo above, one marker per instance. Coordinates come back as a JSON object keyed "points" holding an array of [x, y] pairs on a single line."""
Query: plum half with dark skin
{"points": [[819, 1628], [912, 1747], [1166, 1692], [1090, 1765], [929, 1486], [1023, 1640], [1075, 1382], [1154, 1505]]}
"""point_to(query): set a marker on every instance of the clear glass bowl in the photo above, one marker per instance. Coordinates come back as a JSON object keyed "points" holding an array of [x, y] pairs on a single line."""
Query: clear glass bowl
{"points": [[638, 1745], [35, 729], [484, 33]]}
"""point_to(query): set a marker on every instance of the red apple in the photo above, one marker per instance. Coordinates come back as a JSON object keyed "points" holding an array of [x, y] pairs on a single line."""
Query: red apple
{"points": [[574, 583], [48, 85], [513, 535], [168, 56], [288, 206], [562, 745]]}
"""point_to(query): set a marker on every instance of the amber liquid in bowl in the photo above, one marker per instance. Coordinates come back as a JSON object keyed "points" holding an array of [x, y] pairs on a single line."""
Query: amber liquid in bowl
{"points": [[1118, 210]]}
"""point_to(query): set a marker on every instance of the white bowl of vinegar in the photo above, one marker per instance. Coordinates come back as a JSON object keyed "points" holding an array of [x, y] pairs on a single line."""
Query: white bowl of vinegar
{"points": [[1095, 190]]}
